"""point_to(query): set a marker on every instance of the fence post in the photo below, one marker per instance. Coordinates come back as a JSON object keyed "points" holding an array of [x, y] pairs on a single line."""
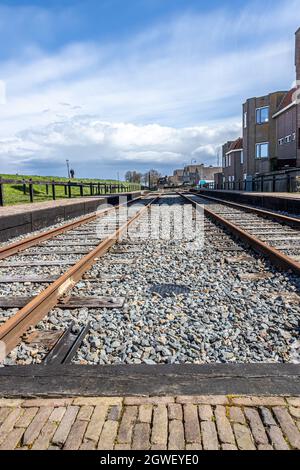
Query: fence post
{"points": [[81, 190], [1, 194], [69, 189], [31, 191], [91, 189], [53, 191], [47, 189], [66, 190], [24, 188]]}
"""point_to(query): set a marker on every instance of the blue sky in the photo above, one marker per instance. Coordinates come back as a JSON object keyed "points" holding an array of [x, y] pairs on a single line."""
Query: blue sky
{"points": [[132, 84]]}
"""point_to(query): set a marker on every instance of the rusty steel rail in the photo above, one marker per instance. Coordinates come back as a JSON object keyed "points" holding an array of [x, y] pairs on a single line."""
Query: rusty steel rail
{"points": [[28, 242], [260, 212], [276, 256], [14, 328]]}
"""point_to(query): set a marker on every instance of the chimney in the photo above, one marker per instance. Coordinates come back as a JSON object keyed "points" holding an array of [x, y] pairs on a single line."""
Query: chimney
{"points": [[297, 55]]}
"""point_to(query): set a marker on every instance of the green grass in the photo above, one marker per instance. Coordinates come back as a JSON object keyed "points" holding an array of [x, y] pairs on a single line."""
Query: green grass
{"points": [[13, 194]]}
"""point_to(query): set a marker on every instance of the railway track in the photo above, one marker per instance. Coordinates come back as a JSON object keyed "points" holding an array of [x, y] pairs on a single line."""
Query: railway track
{"points": [[147, 301], [274, 235], [76, 246]]}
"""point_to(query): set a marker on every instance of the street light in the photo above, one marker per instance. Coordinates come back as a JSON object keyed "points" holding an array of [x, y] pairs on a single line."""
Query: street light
{"points": [[68, 167]]}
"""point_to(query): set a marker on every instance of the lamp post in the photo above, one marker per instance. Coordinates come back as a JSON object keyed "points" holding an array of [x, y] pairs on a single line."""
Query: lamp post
{"points": [[68, 167]]}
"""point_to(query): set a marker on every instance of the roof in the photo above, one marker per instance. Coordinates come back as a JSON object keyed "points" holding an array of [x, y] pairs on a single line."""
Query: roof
{"points": [[282, 92], [287, 101], [193, 168], [236, 145]]}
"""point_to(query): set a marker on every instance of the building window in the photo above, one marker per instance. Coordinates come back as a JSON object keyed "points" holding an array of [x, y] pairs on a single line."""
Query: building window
{"points": [[294, 136], [288, 139], [245, 176], [227, 161], [262, 150], [242, 158], [280, 141], [245, 119], [262, 115]]}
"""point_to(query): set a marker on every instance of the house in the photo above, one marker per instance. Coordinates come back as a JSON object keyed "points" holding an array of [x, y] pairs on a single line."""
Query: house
{"points": [[194, 174], [259, 133], [178, 177], [287, 119], [233, 165], [287, 130], [270, 143], [297, 55]]}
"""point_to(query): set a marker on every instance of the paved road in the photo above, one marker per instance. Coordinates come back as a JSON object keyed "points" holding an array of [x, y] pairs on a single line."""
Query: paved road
{"points": [[157, 423]]}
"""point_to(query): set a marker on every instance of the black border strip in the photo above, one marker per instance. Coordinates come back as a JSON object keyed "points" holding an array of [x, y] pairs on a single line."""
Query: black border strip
{"points": [[128, 380]]}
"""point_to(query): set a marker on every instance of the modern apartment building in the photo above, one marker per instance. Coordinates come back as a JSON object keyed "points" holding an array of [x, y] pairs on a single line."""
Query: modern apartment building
{"points": [[287, 130], [287, 118], [233, 164], [271, 138], [297, 55], [259, 133]]}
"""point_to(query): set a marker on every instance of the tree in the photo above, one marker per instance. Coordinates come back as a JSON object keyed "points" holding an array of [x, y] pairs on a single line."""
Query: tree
{"points": [[128, 176], [133, 177], [151, 178]]}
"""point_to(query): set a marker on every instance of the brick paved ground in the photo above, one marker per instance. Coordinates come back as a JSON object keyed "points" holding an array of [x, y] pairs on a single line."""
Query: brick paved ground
{"points": [[174, 423]]}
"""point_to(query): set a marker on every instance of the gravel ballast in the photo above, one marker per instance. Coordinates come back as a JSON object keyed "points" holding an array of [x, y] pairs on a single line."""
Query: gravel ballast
{"points": [[238, 308]]}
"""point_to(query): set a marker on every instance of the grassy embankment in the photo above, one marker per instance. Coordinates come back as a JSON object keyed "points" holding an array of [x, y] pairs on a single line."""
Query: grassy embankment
{"points": [[13, 194]]}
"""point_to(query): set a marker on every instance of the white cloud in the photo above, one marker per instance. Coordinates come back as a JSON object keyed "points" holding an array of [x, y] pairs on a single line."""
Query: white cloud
{"points": [[107, 143], [172, 92], [2, 92]]}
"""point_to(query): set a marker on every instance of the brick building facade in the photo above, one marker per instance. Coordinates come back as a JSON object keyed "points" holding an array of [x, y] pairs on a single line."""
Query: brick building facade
{"points": [[271, 134], [233, 164], [286, 132], [195, 173], [259, 133]]}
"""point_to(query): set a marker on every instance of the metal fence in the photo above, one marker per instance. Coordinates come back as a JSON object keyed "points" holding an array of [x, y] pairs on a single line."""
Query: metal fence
{"points": [[277, 182], [84, 189]]}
